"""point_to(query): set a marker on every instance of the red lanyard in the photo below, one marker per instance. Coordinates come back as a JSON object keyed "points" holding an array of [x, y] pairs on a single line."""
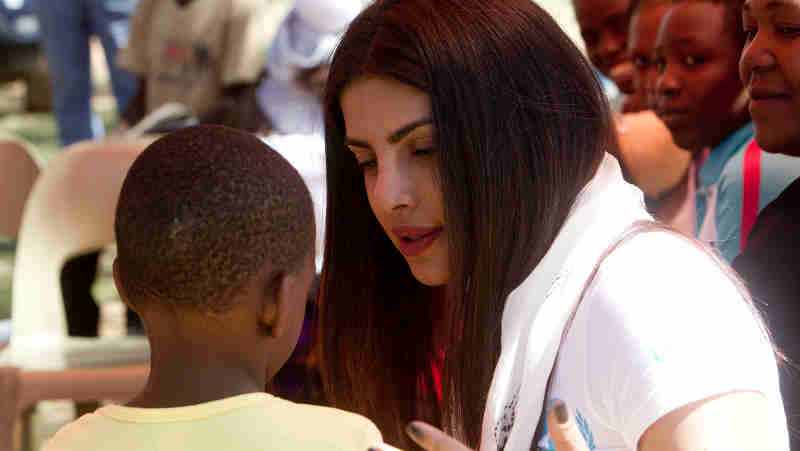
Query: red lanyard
{"points": [[751, 187]]}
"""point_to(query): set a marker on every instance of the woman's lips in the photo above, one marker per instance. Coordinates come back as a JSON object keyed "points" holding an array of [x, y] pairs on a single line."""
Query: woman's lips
{"points": [[413, 241]]}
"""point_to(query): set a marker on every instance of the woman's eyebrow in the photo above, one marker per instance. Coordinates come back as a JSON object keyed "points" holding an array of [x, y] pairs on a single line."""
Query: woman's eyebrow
{"points": [[405, 130], [395, 136]]}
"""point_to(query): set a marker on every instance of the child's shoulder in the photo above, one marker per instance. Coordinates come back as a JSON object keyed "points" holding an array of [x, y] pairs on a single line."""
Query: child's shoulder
{"points": [[82, 434], [347, 430], [770, 163]]}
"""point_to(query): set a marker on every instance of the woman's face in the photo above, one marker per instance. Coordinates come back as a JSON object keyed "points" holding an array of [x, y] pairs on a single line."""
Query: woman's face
{"points": [[699, 95], [391, 134], [770, 68]]}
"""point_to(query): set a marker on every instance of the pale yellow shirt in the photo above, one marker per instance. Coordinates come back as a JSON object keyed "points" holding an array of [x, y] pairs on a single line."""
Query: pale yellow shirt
{"points": [[255, 421]]}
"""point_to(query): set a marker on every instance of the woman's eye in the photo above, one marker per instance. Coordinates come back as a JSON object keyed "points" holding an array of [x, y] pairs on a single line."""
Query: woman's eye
{"points": [[366, 165], [423, 152]]}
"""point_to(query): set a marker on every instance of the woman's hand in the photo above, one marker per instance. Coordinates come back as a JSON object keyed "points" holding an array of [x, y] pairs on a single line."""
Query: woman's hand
{"points": [[563, 432]]}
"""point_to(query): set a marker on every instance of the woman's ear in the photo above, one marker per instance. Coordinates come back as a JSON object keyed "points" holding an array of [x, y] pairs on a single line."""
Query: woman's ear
{"points": [[277, 304], [120, 288]]}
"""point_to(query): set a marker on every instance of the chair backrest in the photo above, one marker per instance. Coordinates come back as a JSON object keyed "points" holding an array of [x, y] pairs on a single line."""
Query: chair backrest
{"points": [[70, 211], [18, 171]]}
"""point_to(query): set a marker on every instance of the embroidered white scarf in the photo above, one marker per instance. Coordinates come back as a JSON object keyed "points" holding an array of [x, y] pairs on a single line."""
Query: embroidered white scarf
{"points": [[537, 311]]}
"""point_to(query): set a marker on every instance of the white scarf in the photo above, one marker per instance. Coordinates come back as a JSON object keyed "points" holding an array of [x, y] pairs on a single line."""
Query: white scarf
{"points": [[537, 311]]}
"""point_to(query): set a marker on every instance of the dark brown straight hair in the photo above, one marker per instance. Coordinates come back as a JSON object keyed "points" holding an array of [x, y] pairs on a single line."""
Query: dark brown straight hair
{"points": [[521, 126]]}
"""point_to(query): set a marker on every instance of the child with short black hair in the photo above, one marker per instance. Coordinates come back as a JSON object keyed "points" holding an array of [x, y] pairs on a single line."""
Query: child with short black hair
{"points": [[215, 236]]}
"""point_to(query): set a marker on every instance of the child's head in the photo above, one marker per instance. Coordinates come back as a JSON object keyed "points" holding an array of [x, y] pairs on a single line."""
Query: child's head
{"points": [[645, 20], [770, 67], [215, 238], [604, 28], [698, 91]]}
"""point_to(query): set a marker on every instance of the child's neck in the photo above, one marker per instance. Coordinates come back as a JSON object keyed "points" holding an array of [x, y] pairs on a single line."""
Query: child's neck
{"points": [[183, 377], [731, 128]]}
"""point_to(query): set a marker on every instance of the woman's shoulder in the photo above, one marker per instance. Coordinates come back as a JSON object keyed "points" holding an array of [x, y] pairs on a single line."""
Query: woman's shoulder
{"points": [[661, 288], [665, 262], [664, 324]]}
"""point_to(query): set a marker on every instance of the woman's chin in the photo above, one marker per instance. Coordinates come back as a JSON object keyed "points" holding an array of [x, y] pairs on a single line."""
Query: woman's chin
{"points": [[432, 277]]}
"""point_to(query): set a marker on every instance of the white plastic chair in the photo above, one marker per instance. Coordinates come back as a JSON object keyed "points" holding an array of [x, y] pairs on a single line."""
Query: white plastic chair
{"points": [[18, 171], [70, 211]]}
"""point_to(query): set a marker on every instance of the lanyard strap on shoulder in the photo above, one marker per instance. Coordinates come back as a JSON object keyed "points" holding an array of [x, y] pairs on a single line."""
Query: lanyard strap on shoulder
{"points": [[751, 187]]}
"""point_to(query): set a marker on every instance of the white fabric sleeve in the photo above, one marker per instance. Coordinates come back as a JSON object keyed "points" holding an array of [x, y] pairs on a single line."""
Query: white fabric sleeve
{"points": [[677, 330]]}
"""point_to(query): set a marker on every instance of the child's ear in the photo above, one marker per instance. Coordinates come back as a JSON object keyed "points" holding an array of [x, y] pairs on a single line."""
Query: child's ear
{"points": [[120, 288], [277, 304]]}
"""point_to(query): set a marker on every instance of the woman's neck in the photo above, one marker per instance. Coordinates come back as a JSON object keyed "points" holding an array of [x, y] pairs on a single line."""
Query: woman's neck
{"points": [[441, 318]]}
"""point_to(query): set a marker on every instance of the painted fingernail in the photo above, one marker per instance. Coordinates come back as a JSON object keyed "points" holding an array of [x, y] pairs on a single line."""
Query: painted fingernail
{"points": [[562, 414], [414, 430]]}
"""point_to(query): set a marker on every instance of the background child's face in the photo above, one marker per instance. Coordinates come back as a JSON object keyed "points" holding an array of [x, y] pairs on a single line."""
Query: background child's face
{"points": [[641, 43], [698, 90], [604, 27], [770, 68]]}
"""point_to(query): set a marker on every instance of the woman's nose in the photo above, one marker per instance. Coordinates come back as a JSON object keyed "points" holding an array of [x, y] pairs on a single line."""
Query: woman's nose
{"points": [[394, 188]]}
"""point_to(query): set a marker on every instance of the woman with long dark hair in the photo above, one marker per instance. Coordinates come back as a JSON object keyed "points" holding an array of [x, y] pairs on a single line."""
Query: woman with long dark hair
{"points": [[484, 256]]}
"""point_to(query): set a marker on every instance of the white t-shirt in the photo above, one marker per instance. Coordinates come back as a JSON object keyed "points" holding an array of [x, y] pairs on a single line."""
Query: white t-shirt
{"points": [[643, 344], [307, 154]]}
